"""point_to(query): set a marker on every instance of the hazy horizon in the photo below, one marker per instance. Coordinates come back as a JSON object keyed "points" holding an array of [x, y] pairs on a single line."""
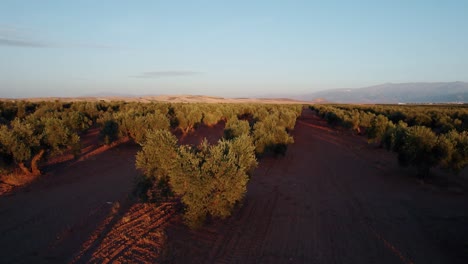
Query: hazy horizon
{"points": [[51, 48]]}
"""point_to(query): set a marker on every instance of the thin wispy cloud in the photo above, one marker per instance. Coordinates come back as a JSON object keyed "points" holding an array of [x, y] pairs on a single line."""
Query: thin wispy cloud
{"points": [[22, 43], [160, 74], [12, 36]]}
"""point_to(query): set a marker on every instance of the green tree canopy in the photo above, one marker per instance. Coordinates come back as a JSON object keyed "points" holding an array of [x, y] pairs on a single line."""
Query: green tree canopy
{"points": [[210, 179]]}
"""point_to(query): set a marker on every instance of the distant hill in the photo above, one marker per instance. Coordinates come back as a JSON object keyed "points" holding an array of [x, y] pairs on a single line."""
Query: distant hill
{"points": [[441, 92], [162, 98]]}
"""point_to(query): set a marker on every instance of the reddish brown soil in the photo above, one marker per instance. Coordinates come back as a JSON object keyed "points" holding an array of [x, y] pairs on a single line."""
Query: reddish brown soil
{"points": [[137, 236], [331, 199], [195, 137], [47, 221]]}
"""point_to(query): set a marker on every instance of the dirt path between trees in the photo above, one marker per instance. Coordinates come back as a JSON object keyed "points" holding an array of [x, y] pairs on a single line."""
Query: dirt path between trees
{"points": [[331, 199]]}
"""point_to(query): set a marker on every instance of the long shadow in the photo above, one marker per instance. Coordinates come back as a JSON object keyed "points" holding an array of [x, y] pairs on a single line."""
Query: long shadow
{"points": [[97, 236]]}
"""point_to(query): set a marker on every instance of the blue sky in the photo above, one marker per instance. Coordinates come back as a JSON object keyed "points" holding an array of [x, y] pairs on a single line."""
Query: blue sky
{"points": [[226, 48]]}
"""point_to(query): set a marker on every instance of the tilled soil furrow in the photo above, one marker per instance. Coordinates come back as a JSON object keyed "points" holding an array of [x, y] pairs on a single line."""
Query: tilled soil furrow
{"points": [[139, 235]]}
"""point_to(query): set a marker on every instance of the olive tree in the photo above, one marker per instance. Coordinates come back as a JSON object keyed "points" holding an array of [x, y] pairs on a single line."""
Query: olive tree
{"points": [[212, 179], [268, 135], [456, 145], [420, 149], [156, 159], [27, 141], [109, 132], [188, 116], [158, 154], [209, 179], [377, 129], [135, 125], [235, 127], [22, 142]]}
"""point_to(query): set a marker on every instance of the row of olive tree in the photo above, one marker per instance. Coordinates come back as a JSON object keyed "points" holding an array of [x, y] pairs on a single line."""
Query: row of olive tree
{"points": [[418, 146], [440, 118], [421, 147], [212, 179], [31, 131], [269, 126]]}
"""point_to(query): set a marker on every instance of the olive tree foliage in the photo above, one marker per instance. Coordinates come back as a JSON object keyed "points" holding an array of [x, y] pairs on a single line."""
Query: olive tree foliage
{"points": [[27, 141], [213, 179], [269, 135], [8, 112], [89, 109], [235, 128], [419, 146], [211, 118], [133, 120], [455, 144], [261, 113], [286, 119], [422, 136], [77, 121], [22, 143], [109, 132], [376, 131], [212, 114], [395, 135], [156, 159], [188, 116], [158, 154], [419, 149], [135, 125], [210, 179], [267, 124], [57, 137]]}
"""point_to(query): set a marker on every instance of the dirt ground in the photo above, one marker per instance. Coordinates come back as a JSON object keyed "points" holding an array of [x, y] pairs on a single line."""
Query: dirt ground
{"points": [[332, 199], [48, 221], [195, 137]]}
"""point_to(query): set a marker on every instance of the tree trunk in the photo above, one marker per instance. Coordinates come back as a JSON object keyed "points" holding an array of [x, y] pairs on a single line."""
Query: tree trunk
{"points": [[187, 129], [34, 169], [24, 169]]}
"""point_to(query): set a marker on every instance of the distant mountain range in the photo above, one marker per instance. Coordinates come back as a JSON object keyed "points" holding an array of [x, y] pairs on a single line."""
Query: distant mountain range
{"points": [[441, 92], [388, 93]]}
